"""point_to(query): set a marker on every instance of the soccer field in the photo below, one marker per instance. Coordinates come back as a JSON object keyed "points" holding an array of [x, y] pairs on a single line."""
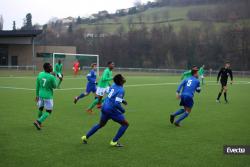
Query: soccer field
{"points": [[150, 139]]}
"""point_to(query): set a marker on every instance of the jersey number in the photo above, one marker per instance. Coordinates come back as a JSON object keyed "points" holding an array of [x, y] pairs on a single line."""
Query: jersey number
{"points": [[111, 93], [44, 81], [189, 83]]}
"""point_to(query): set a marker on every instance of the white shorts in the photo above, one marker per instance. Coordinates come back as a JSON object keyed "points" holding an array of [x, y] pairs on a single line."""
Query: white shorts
{"points": [[46, 103], [102, 91], [202, 77]]}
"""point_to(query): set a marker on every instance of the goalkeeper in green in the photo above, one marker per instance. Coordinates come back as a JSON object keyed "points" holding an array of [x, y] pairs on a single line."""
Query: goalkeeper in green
{"points": [[58, 71], [103, 86], [45, 84]]}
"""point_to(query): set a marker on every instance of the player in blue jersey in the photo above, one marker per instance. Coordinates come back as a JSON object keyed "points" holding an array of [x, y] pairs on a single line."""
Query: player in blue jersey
{"points": [[185, 92], [91, 84], [112, 109]]}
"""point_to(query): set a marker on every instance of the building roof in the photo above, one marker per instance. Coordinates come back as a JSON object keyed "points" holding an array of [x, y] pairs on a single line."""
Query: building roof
{"points": [[20, 33]]}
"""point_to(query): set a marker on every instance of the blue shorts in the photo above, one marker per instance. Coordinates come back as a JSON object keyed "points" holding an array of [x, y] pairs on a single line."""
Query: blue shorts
{"points": [[186, 101], [114, 115], [91, 88]]}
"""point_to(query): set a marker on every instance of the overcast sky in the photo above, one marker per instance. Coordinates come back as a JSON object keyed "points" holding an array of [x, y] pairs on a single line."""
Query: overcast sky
{"points": [[43, 10]]}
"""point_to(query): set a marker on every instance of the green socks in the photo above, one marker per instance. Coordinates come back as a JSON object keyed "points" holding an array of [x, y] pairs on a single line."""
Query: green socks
{"points": [[92, 105], [43, 117], [40, 113], [59, 83]]}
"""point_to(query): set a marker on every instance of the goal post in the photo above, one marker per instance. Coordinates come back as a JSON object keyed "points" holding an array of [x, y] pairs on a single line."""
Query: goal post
{"points": [[68, 59]]}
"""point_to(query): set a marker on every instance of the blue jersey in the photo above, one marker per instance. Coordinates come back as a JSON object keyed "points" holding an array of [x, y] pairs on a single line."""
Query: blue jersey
{"points": [[91, 77], [189, 86], [114, 99]]}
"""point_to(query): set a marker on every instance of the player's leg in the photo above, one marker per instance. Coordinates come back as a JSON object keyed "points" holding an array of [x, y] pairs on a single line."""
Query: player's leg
{"points": [[202, 79], [187, 102], [124, 125], [99, 103], [40, 105], [92, 105], [60, 77], [183, 116], [99, 95], [225, 93], [173, 115], [220, 93], [82, 95], [103, 120], [48, 105], [178, 112]]}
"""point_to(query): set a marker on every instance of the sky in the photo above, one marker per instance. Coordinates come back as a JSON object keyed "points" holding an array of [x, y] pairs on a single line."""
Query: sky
{"points": [[43, 10]]}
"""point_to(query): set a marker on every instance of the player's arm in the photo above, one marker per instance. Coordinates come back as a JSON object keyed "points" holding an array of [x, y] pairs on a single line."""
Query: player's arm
{"points": [[231, 75], [219, 74], [198, 88], [91, 77], [178, 91], [118, 100], [54, 83], [37, 88]]}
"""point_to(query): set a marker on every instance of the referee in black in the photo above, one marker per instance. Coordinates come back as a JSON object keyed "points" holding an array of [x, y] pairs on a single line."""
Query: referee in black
{"points": [[223, 76]]}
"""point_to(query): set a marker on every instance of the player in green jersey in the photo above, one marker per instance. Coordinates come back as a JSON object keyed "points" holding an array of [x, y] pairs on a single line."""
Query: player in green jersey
{"points": [[45, 84], [58, 71], [201, 73], [103, 86], [188, 73]]}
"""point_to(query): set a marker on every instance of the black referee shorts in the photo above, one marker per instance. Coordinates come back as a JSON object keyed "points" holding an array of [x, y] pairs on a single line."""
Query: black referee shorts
{"points": [[223, 83]]}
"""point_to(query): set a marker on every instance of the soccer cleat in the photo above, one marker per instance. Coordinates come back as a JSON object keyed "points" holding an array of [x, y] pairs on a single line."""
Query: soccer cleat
{"points": [[218, 101], [84, 139], [172, 119], [226, 101], [177, 125], [116, 144], [89, 111], [75, 100], [37, 125]]}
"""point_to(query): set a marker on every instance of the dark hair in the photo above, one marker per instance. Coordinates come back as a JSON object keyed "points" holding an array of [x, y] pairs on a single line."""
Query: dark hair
{"points": [[110, 62], [93, 64], [194, 71], [119, 79], [46, 66]]}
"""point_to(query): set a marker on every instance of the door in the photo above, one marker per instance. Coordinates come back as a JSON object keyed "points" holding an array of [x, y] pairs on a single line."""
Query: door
{"points": [[14, 60], [3, 56]]}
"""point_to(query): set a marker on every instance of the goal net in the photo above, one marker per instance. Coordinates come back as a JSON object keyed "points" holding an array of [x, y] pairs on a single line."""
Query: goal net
{"points": [[69, 59]]}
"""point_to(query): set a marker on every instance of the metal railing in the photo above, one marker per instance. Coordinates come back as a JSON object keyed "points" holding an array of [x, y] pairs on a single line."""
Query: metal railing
{"points": [[208, 73]]}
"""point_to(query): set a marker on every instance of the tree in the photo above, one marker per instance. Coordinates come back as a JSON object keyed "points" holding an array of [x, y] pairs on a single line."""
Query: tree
{"points": [[1, 22], [78, 20], [70, 28], [14, 25], [29, 21]]}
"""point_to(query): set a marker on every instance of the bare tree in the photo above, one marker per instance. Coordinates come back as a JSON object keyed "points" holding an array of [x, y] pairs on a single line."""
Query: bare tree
{"points": [[1, 22]]}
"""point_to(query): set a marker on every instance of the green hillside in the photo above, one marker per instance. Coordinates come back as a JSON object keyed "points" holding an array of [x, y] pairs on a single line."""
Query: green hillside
{"points": [[176, 16]]}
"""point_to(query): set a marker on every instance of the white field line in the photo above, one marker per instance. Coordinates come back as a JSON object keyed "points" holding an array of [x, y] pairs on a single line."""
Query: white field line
{"points": [[134, 85]]}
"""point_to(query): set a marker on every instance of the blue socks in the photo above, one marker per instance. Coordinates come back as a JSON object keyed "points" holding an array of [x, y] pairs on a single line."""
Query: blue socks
{"points": [[183, 116], [93, 130], [120, 132], [80, 96], [180, 111]]}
